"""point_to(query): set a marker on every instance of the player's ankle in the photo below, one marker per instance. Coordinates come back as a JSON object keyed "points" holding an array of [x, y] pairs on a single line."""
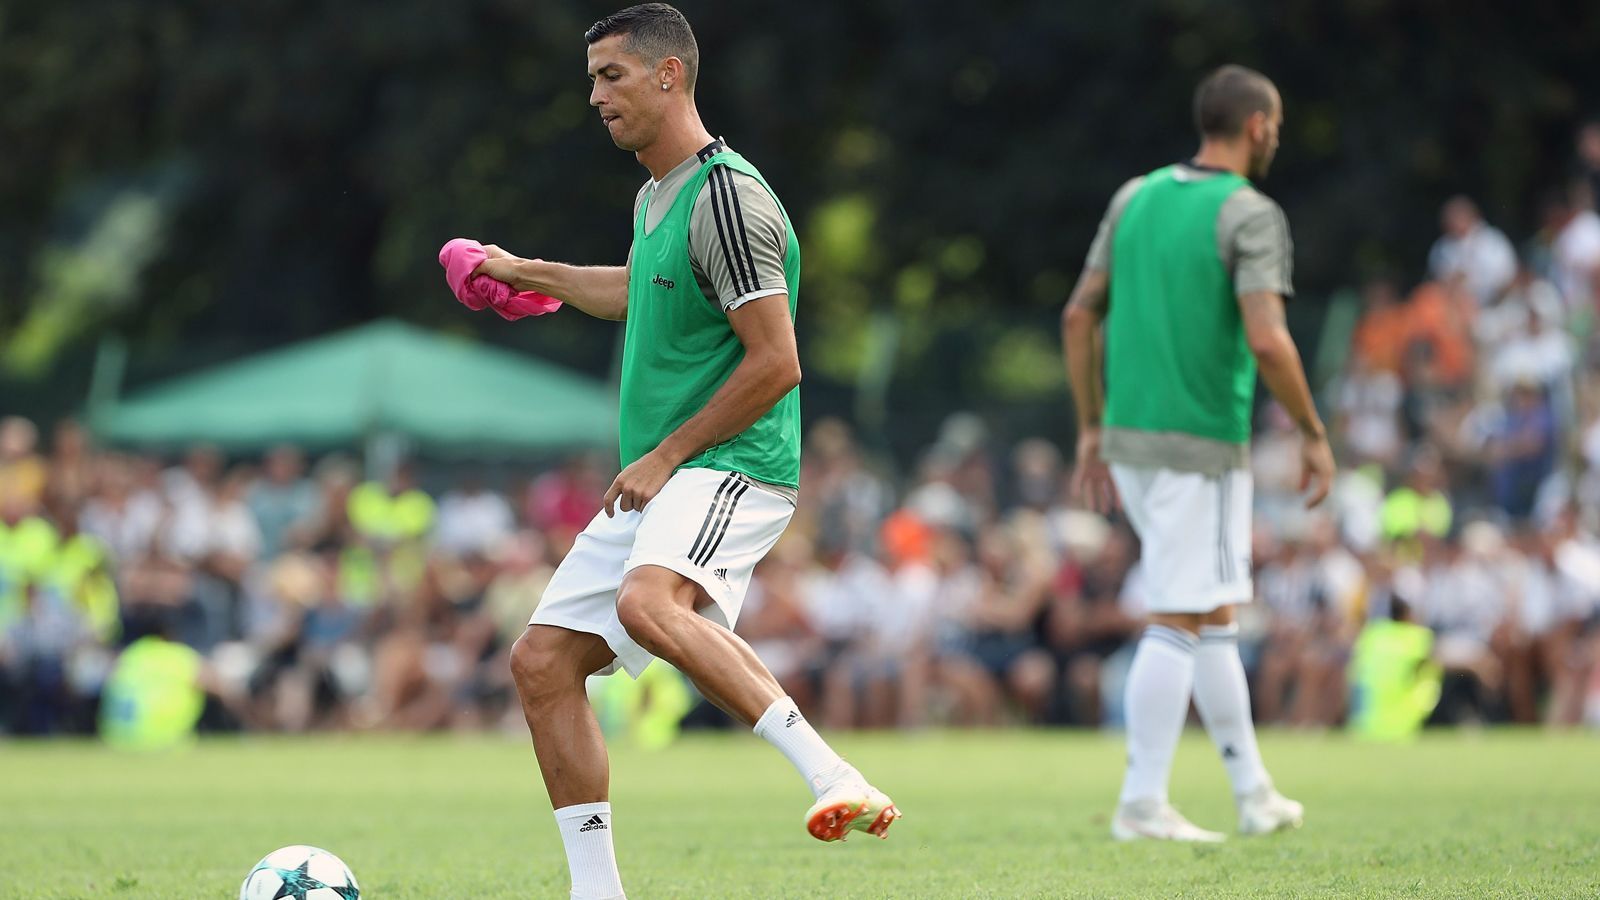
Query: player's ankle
{"points": [[843, 773]]}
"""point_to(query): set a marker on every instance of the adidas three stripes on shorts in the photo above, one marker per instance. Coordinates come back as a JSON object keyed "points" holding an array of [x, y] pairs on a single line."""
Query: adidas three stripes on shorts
{"points": [[709, 526]]}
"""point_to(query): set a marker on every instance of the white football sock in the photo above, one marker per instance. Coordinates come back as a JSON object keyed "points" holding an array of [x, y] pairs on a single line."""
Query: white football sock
{"points": [[783, 727], [1157, 704], [586, 832], [1223, 698]]}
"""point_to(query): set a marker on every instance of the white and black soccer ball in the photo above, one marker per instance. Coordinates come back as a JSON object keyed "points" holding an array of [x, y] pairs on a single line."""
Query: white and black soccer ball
{"points": [[300, 873]]}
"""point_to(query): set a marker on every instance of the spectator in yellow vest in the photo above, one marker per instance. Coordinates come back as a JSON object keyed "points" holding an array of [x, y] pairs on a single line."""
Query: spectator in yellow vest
{"points": [[1419, 508], [157, 691]]}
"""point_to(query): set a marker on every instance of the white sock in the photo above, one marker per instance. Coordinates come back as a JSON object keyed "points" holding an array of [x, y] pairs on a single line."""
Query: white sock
{"points": [[1223, 698], [586, 832], [783, 727], [1157, 705]]}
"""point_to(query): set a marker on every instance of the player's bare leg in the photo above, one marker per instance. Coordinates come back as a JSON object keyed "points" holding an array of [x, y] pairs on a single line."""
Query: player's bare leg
{"points": [[657, 607], [549, 665], [1222, 696]]}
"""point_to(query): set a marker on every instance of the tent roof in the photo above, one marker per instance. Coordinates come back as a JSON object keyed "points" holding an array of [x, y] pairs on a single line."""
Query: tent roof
{"points": [[387, 377]]}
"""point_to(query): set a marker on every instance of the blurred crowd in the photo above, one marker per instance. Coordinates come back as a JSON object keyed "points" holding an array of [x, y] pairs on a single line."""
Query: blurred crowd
{"points": [[973, 593]]}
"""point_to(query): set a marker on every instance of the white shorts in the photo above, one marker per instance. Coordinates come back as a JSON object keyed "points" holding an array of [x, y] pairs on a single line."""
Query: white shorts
{"points": [[708, 526], [1194, 536]]}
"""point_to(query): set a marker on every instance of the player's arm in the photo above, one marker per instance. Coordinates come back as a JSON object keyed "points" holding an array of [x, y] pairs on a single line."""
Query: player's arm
{"points": [[1267, 332], [769, 371], [1263, 260], [1081, 343], [600, 291]]}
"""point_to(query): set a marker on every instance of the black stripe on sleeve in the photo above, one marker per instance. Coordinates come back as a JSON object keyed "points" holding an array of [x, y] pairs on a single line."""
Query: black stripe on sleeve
{"points": [[744, 237], [738, 239], [724, 218]]}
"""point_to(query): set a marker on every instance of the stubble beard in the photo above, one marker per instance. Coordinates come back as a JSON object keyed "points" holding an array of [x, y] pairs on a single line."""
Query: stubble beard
{"points": [[1260, 166]]}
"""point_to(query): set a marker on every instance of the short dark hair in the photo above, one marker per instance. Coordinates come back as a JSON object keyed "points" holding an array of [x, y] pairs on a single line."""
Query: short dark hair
{"points": [[655, 31], [1229, 96]]}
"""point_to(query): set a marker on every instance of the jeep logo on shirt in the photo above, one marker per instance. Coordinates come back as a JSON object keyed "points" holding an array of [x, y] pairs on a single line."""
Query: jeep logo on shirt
{"points": [[666, 283]]}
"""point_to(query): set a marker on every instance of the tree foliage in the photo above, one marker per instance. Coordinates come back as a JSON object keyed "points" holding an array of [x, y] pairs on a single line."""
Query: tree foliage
{"points": [[180, 171]]}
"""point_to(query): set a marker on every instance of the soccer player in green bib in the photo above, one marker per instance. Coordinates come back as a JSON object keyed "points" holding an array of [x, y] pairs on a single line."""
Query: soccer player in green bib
{"points": [[710, 441], [1188, 275]]}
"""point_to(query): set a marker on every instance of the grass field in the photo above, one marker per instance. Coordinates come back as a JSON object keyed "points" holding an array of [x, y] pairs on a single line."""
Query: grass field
{"points": [[1513, 814]]}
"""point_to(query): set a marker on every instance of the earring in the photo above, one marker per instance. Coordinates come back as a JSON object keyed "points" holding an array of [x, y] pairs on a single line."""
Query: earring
{"points": [[663, 85]]}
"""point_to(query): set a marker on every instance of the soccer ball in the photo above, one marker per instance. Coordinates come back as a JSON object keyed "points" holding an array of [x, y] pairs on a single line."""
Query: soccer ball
{"points": [[300, 873]]}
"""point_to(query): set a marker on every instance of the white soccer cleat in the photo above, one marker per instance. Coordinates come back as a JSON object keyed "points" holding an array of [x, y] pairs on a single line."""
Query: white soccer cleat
{"points": [[1156, 820], [851, 805], [1264, 810]]}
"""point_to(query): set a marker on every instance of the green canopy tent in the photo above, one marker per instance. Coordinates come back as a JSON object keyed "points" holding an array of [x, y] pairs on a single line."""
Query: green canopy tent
{"points": [[378, 383]]}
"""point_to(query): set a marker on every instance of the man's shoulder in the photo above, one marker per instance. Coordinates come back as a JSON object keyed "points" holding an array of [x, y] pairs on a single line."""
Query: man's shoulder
{"points": [[1119, 199], [1248, 202], [734, 203], [1249, 216], [724, 181]]}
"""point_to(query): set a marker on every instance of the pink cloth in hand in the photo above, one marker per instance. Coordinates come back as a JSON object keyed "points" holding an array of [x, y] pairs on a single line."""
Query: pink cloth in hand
{"points": [[460, 256]]}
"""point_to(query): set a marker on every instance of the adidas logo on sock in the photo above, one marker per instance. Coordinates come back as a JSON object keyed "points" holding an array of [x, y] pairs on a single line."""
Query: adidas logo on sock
{"points": [[594, 824], [794, 716]]}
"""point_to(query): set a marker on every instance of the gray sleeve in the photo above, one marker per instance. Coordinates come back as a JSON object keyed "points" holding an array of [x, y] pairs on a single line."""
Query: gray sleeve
{"points": [[1100, 251], [1253, 237], [737, 239], [638, 204]]}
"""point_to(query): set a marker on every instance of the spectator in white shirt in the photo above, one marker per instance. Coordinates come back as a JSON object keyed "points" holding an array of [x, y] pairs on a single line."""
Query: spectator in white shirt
{"points": [[836, 595], [1527, 295], [1575, 251], [1589, 156], [193, 481], [472, 520], [1472, 250], [120, 514], [1369, 412], [1539, 353], [235, 541]]}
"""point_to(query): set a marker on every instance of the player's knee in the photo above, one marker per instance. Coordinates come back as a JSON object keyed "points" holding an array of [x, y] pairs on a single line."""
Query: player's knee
{"points": [[538, 669], [642, 614], [525, 660]]}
